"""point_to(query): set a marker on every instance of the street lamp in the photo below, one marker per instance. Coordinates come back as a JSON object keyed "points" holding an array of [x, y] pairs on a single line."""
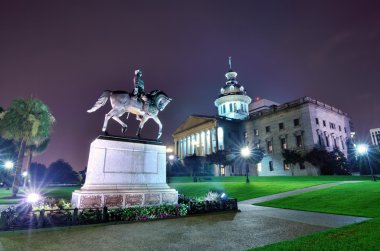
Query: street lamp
{"points": [[362, 149], [245, 152], [9, 164]]}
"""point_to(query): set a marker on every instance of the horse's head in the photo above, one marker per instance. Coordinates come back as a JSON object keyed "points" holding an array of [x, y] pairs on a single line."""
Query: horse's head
{"points": [[160, 99]]}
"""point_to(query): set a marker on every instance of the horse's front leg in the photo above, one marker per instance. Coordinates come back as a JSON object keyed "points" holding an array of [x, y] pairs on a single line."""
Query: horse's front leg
{"points": [[124, 126], [157, 120], [142, 122]]}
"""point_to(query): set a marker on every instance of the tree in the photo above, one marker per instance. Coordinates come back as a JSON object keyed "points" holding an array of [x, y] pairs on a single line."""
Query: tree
{"points": [[61, 172], [193, 163], [25, 122], [82, 175], [330, 163], [293, 157], [219, 158], [37, 172]]}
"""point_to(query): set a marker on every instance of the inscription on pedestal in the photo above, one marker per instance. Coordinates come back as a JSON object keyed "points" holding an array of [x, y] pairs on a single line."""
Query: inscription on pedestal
{"points": [[169, 198], [87, 201], [113, 200], [152, 199], [133, 200]]}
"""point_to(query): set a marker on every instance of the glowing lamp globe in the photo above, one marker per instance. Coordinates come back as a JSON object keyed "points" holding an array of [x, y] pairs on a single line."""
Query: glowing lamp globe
{"points": [[362, 149], [9, 164], [245, 152]]}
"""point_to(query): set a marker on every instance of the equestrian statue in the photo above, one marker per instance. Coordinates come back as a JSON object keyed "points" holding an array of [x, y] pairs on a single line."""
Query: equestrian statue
{"points": [[144, 105]]}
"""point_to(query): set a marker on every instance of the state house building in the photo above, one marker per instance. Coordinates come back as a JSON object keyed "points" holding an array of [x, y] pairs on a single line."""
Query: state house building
{"points": [[299, 124]]}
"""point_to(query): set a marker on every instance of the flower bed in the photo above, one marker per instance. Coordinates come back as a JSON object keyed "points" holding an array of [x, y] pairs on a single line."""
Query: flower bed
{"points": [[51, 213]]}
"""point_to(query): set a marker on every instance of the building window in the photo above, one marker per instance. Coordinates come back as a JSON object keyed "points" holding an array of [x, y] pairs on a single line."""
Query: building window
{"points": [[269, 146], [224, 108], [324, 123], [316, 121], [281, 126], [332, 125], [258, 166], [271, 166], [299, 141], [320, 139], [284, 145], [296, 122], [222, 171], [345, 130], [327, 140], [256, 132], [302, 166], [235, 107], [231, 107], [220, 138], [232, 169], [340, 128], [267, 129], [286, 166]]}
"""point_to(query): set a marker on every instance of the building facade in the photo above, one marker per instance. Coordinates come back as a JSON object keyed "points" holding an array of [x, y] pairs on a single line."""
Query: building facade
{"points": [[300, 124], [375, 136]]}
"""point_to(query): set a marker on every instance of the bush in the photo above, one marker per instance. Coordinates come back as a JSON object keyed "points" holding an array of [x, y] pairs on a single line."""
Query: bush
{"points": [[151, 212]]}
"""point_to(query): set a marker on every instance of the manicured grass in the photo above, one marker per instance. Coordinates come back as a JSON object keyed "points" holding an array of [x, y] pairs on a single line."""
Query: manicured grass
{"points": [[235, 187], [5, 197], [360, 199], [55, 192]]}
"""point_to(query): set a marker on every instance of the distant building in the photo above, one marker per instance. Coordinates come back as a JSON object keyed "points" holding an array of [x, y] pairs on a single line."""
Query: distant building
{"points": [[375, 136], [299, 124]]}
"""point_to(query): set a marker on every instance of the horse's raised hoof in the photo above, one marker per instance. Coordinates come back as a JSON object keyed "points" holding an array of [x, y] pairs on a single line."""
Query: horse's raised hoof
{"points": [[123, 129], [105, 133]]}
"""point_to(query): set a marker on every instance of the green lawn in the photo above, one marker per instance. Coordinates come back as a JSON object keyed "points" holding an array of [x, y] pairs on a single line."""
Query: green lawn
{"points": [[360, 199], [234, 186]]}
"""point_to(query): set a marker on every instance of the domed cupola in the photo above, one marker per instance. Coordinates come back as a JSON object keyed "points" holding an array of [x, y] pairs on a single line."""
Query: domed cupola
{"points": [[233, 101]]}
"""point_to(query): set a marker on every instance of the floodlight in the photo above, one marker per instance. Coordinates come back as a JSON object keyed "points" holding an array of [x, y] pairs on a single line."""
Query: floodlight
{"points": [[33, 197]]}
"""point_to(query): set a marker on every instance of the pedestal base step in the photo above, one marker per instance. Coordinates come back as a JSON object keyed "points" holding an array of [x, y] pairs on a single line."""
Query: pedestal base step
{"points": [[113, 199]]}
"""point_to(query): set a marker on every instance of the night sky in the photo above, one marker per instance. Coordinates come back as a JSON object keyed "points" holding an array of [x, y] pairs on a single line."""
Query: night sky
{"points": [[67, 52]]}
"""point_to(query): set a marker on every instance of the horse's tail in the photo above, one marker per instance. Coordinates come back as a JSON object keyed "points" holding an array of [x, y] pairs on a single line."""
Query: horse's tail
{"points": [[102, 100]]}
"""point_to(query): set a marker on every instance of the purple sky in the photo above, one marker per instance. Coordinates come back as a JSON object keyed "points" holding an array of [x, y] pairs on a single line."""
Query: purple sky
{"points": [[67, 52]]}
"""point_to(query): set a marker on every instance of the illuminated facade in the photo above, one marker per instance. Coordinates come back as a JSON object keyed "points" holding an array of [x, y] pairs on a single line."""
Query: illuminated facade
{"points": [[375, 136], [297, 125]]}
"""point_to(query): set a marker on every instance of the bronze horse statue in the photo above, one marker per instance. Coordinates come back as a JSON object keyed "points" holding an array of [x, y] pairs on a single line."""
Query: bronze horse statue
{"points": [[123, 102]]}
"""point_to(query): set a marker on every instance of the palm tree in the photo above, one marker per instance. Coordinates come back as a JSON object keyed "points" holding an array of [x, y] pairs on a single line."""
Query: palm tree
{"points": [[26, 122]]}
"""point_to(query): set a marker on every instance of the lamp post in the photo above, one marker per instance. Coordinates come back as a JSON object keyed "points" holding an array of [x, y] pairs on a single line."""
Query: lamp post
{"points": [[362, 149], [245, 152]]}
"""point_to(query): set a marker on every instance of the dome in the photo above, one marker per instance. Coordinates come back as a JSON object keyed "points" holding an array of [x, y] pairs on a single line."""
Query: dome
{"points": [[233, 101], [232, 87]]}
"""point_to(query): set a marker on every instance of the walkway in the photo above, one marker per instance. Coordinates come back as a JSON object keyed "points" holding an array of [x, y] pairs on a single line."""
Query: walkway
{"points": [[294, 192]]}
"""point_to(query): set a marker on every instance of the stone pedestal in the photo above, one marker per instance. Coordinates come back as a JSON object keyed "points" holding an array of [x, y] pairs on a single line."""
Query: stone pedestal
{"points": [[124, 172]]}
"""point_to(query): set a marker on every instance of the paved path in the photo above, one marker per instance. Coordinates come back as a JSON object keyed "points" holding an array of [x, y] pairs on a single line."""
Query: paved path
{"points": [[294, 192]]}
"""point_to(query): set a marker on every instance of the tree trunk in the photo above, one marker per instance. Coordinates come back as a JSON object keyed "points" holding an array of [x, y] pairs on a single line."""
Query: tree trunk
{"points": [[17, 178], [29, 157]]}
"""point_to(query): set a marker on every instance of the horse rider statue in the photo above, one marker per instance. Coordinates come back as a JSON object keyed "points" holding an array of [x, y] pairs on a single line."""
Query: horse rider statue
{"points": [[139, 91]]}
